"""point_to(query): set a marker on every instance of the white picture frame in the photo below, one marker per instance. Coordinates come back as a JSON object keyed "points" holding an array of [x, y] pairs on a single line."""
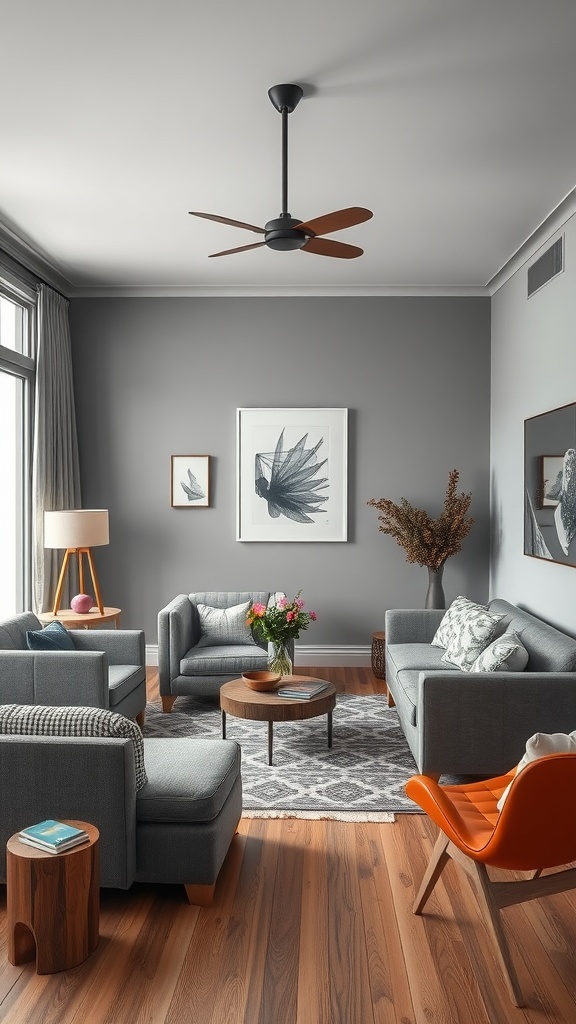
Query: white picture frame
{"points": [[190, 481], [292, 475]]}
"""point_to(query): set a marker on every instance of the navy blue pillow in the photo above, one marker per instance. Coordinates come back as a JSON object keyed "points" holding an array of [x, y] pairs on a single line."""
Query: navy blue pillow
{"points": [[54, 637]]}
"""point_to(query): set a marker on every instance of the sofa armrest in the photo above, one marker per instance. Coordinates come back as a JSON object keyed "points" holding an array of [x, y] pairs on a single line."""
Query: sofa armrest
{"points": [[75, 678], [412, 625], [48, 780], [478, 723], [175, 637], [122, 646]]}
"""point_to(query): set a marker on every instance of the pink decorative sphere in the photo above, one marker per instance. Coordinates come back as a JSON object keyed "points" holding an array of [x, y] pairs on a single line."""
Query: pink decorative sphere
{"points": [[81, 604]]}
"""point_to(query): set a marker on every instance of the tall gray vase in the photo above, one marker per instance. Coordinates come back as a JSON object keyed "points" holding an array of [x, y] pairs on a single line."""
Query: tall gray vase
{"points": [[435, 594]]}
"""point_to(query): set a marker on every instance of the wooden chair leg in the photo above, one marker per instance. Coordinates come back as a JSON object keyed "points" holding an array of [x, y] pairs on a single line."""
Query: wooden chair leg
{"points": [[479, 874], [200, 895], [435, 868], [167, 703]]}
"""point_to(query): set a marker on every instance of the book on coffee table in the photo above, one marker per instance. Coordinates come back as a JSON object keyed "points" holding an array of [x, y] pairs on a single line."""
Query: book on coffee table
{"points": [[53, 836], [302, 690]]}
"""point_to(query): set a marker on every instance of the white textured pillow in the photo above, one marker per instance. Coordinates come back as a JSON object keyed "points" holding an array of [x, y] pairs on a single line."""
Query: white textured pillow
{"points": [[450, 624], [46, 720], [505, 654], [541, 744], [473, 629], [221, 627]]}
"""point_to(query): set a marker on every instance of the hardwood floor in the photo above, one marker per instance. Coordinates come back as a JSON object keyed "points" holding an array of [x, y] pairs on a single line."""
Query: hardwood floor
{"points": [[311, 924]]}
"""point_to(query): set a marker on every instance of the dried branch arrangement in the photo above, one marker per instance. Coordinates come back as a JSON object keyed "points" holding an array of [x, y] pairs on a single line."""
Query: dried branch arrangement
{"points": [[428, 541]]}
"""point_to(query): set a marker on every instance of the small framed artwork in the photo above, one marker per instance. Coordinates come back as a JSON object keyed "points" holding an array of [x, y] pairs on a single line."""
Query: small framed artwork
{"points": [[190, 481], [552, 467], [292, 474]]}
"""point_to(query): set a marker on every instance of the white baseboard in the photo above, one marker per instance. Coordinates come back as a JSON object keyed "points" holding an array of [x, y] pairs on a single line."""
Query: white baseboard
{"points": [[341, 655]]}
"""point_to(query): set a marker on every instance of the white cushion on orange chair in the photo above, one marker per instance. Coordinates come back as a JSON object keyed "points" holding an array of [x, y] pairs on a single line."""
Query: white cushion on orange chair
{"points": [[541, 744]]}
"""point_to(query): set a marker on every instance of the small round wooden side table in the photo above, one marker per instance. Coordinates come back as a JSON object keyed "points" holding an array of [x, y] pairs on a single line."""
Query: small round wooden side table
{"points": [[74, 620], [53, 903], [378, 654]]}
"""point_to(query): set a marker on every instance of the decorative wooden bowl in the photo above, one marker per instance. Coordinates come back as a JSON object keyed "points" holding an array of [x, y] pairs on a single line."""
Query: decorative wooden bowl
{"points": [[261, 680]]}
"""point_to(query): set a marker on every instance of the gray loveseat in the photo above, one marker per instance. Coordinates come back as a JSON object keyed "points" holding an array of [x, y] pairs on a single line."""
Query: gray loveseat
{"points": [[106, 670], [464, 723]]}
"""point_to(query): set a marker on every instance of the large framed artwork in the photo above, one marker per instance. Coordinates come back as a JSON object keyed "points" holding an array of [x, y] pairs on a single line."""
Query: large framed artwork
{"points": [[190, 481], [550, 485], [292, 474]]}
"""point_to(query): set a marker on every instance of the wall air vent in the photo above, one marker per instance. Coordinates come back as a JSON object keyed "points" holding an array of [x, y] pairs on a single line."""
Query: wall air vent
{"points": [[546, 267]]}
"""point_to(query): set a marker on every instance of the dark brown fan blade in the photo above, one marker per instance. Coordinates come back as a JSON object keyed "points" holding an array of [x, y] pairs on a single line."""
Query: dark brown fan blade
{"points": [[241, 248], [227, 220], [335, 221], [328, 247]]}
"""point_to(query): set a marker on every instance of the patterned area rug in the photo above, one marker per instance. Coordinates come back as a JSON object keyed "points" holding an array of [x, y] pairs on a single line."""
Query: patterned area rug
{"points": [[360, 779]]}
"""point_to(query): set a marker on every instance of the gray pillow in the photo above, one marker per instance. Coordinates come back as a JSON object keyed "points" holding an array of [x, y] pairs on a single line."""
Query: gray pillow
{"points": [[505, 654], [223, 627], [45, 720], [472, 630]]}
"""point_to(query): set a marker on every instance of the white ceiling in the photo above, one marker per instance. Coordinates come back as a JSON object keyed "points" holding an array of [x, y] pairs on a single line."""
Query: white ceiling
{"points": [[453, 120]]}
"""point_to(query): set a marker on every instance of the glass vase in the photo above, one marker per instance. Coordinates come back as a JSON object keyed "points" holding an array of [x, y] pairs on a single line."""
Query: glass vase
{"points": [[279, 659]]}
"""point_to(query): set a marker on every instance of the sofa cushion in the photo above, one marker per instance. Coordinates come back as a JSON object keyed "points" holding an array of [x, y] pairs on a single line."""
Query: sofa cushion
{"points": [[44, 720], [54, 637], [209, 661], [188, 779], [415, 656], [505, 654], [406, 694], [13, 631], [549, 650], [122, 679], [472, 630], [539, 745], [222, 627], [460, 613]]}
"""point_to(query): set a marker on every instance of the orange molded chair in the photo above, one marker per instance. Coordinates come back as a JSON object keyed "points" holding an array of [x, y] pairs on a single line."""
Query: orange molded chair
{"points": [[535, 830]]}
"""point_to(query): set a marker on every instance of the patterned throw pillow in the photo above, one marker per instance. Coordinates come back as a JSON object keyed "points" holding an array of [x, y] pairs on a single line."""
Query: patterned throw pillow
{"points": [[505, 654], [44, 720], [449, 625], [473, 629], [221, 627], [54, 637]]}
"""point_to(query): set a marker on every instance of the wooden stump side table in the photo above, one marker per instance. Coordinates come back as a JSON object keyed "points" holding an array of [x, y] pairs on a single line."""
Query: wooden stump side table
{"points": [[378, 654], [53, 903]]}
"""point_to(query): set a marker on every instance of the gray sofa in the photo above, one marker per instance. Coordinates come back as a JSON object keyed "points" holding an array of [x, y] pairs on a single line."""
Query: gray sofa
{"points": [[464, 723], [107, 669], [176, 829], [184, 666]]}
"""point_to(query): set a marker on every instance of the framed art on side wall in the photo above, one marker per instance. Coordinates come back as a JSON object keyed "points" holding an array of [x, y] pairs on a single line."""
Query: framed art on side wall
{"points": [[550, 485], [292, 474], [190, 481]]}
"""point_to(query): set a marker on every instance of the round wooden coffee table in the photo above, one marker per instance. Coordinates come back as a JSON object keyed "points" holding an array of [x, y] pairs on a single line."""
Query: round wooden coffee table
{"points": [[237, 699]]}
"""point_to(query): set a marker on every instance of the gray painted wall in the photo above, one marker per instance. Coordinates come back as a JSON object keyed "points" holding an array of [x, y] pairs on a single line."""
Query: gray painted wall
{"points": [[533, 371], [162, 376]]}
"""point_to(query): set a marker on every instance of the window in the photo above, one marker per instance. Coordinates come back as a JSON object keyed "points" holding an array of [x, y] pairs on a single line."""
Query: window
{"points": [[17, 326]]}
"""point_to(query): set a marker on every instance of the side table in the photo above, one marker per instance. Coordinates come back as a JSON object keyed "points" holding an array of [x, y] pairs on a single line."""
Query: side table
{"points": [[73, 620], [378, 654], [53, 903]]}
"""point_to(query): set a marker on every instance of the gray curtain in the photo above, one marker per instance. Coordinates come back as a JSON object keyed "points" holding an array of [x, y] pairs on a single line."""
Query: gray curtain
{"points": [[55, 462]]}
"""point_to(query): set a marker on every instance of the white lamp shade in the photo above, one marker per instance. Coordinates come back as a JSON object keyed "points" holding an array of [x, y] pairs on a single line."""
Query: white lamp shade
{"points": [[76, 528]]}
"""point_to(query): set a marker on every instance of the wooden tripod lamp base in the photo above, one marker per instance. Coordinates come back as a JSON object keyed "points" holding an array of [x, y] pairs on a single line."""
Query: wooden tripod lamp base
{"points": [[77, 531]]}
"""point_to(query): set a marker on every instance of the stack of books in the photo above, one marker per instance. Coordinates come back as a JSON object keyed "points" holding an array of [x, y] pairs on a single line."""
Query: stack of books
{"points": [[53, 836], [302, 691]]}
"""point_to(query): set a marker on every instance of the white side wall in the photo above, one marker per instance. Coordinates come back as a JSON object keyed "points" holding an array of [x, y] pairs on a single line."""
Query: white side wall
{"points": [[533, 370]]}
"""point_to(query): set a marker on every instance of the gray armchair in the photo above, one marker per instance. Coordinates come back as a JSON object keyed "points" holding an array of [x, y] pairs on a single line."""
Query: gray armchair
{"points": [[186, 665], [175, 830], [107, 669]]}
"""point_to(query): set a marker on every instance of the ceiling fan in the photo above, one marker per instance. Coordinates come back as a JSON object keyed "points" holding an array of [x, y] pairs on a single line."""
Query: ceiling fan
{"points": [[286, 232]]}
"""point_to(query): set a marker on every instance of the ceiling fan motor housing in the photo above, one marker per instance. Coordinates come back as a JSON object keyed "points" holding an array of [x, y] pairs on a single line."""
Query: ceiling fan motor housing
{"points": [[281, 234]]}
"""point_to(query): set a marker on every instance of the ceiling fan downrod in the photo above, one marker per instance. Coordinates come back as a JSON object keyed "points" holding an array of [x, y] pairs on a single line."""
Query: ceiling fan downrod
{"points": [[279, 232]]}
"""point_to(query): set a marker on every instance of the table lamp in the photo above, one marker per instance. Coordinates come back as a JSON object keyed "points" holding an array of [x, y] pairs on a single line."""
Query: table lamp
{"points": [[77, 530]]}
